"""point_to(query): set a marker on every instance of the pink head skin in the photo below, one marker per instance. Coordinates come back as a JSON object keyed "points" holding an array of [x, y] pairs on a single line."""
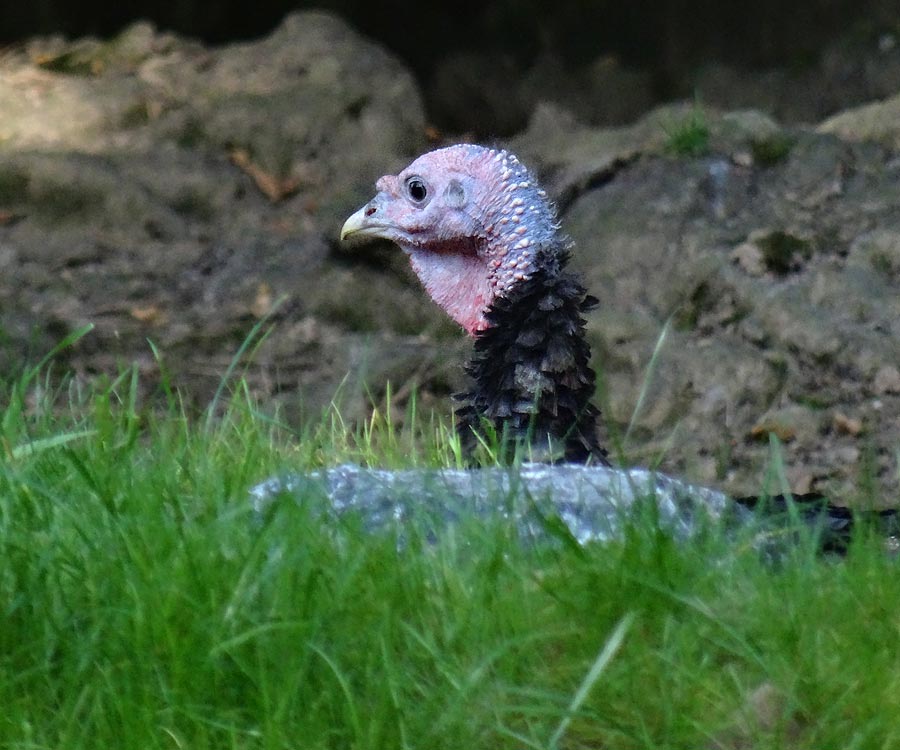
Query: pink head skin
{"points": [[471, 220]]}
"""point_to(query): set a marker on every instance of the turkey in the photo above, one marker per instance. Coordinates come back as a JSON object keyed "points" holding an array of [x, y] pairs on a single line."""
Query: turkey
{"points": [[484, 240]]}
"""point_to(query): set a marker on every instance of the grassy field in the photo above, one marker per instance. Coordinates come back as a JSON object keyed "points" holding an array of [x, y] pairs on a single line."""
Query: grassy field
{"points": [[143, 606]]}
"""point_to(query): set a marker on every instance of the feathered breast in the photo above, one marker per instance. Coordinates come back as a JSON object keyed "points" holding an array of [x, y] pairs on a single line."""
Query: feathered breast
{"points": [[531, 379]]}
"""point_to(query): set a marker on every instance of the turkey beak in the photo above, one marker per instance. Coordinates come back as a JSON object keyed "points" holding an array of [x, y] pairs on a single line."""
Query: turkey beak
{"points": [[366, 221]]}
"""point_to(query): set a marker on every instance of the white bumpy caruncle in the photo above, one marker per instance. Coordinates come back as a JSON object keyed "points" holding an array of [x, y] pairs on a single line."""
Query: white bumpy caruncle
{"points": [[518, 219]]}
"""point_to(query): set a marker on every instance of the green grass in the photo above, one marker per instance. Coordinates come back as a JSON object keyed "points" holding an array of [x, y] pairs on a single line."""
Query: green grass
{"points": [[142, 605], [690, 135], [767, 152]]}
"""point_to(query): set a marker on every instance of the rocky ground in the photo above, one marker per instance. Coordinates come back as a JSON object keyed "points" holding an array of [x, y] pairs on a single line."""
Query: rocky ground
{"points": [[174, 193]]}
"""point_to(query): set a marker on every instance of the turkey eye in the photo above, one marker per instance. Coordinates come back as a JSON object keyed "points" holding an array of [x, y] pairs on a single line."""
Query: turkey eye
{"points": [[416, 189]]}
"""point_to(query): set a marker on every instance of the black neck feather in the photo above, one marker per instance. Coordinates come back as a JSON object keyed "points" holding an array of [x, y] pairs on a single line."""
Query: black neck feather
{"points": [[532, 383]]}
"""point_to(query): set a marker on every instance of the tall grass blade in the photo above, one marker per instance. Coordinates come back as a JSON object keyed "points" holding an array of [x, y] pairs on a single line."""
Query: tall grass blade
{"points": [[68, 341], [250, 339], [44, 444], [648, 378], [612, 645]]}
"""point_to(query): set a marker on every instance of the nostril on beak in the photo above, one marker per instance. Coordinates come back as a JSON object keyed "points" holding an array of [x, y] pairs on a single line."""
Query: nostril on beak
{"points": [[370, 210]]}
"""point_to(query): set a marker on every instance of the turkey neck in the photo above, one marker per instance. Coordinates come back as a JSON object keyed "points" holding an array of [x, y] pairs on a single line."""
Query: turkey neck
{"points": [[531, 379]]}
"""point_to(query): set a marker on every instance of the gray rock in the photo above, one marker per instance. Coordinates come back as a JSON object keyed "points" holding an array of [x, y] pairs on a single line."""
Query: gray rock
{"points": [[584, 504], [877, 121], [878, 250], [593, 502]]}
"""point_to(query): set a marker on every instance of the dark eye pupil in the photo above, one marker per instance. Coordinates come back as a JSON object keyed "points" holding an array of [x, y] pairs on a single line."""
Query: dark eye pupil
{"points": [[417, 190]]}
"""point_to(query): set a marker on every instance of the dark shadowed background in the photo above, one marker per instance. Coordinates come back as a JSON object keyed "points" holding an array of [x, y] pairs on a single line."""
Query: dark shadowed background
{"points": [[667, 39], [665, 33]]}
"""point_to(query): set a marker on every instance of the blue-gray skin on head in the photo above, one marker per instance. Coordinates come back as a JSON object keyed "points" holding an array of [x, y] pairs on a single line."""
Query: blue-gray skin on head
{"points": [[472, 220]]}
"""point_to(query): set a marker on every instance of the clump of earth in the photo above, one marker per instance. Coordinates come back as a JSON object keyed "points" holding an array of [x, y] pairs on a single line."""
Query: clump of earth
{"points": [[169, 192]]}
